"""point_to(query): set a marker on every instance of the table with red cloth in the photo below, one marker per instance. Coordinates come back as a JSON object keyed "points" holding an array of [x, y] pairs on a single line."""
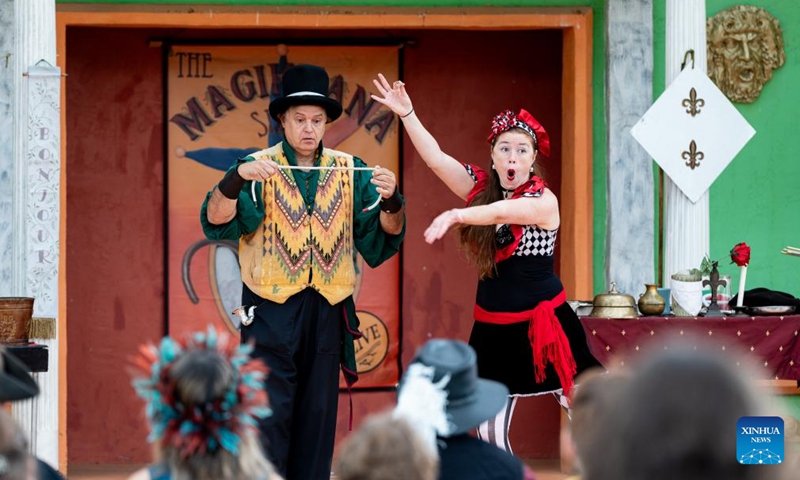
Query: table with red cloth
{"points": [[771, 343]]}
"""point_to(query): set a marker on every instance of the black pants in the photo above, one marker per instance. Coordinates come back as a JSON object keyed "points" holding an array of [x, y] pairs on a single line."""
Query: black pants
{"points": [[300, 342]]}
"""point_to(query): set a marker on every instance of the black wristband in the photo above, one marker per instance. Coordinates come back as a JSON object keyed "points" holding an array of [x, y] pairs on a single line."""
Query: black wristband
{"points": [[392, 204], [231, 184]]}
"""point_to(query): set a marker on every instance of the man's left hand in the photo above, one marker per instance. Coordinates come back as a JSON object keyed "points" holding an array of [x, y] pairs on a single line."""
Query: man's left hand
{"points": [[384, 180]]}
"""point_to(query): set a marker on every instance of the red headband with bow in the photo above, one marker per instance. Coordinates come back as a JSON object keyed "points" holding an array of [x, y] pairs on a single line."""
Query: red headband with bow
{"points": [[506, 120]]}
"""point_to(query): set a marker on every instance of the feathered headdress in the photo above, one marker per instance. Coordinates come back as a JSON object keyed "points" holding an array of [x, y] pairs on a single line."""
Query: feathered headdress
{"points": [[204, 427], [506, 120], [423, 403]]}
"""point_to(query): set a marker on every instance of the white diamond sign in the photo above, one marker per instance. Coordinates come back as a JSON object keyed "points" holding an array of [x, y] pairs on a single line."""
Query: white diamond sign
{"points": [[693, 132]]}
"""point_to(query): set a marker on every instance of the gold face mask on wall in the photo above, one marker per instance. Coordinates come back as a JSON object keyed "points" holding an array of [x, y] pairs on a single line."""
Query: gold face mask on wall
{"points": [[745, 44]]}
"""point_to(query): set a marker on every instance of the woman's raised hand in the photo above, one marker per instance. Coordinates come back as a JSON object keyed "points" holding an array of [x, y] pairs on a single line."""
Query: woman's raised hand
{"points": [[393, 96]]}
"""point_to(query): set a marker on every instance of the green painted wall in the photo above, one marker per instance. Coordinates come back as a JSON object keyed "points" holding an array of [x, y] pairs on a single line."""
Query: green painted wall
{"points": [[599, 145], [756, 198], [598, 80]]}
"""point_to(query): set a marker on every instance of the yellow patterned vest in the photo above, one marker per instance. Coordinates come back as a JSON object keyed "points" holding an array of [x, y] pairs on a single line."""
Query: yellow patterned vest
{"points": [[277, 257]]}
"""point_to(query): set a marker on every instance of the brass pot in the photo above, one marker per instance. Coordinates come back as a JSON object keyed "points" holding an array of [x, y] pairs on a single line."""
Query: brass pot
{"points": [[614, 304], [651, 302]]}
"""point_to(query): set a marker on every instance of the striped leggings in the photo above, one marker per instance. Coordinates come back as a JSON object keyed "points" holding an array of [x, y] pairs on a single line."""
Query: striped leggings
{"points": [[495, 430]]}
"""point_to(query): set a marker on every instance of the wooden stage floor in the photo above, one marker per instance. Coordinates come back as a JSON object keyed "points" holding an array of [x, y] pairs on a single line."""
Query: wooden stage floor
{"points": [[544, 470]]}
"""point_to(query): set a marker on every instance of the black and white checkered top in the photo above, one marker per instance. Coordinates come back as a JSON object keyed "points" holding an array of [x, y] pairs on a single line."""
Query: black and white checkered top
{"points": [[536, 241]]}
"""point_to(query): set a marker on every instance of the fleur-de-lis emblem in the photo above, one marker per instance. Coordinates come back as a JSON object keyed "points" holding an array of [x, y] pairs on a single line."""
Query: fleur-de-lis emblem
{"points": [[693, 156], [693, 103]]}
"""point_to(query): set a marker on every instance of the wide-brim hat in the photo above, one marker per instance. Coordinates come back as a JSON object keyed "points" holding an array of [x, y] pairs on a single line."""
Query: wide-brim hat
{"points": [[470, 400], [15, 381], [305, 85]]}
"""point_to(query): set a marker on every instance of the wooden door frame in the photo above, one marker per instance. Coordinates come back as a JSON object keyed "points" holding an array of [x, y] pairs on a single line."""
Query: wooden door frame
{"points": [[576, 202]]}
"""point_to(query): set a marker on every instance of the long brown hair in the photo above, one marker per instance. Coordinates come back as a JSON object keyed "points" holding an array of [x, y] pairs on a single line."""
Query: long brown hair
{"points": [[479, 240]]}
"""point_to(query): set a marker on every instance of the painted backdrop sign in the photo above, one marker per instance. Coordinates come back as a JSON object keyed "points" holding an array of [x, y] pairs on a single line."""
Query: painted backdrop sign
{"points": [[218, 99]]}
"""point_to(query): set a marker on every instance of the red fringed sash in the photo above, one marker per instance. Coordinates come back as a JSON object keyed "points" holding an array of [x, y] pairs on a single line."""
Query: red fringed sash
{"points": [[548, 340]]}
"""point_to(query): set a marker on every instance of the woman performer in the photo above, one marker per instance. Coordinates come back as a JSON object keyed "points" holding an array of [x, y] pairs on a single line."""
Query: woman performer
{"points": [[525, 334]]}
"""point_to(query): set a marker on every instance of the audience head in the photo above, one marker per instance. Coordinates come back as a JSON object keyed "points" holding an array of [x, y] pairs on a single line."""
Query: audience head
{"points": [[675, 418], [204, 398], [443, 377], [594, 396], [16, 463], [387, 447], [15, 384]]}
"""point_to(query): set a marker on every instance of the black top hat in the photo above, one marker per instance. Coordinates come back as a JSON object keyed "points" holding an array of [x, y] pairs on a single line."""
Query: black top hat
{"points": [[470, 400], [15, 381], [305, 85]]}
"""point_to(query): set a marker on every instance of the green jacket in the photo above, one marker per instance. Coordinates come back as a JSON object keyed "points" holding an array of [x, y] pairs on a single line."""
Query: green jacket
{"points": [[374, 245]]}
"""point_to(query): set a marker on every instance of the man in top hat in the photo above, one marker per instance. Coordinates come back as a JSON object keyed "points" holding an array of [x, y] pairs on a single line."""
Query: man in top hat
{"points": [[298, 232], [451, 365]]}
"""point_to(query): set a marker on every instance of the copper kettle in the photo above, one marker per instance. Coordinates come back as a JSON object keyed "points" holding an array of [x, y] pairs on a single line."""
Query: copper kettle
{"points": [[614, 304]]}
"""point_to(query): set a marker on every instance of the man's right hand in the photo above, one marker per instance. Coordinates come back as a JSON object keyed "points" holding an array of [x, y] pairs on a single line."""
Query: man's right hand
{"points": [[258, 170]]}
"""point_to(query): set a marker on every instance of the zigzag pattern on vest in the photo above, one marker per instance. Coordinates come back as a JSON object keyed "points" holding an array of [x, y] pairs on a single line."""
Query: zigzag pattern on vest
{"points": [[332, 246], [300, 246], [327, 245]]}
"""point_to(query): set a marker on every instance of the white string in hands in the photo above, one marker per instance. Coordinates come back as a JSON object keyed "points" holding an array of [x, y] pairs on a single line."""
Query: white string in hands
{"points": [[298, 167]]}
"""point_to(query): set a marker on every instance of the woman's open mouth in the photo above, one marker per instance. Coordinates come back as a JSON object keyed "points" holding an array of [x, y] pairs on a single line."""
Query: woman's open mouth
{"points": [[511, 173]]}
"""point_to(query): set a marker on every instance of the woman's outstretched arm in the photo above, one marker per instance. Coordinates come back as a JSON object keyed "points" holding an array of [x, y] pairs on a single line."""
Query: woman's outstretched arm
{"points": [[541, 211]]}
